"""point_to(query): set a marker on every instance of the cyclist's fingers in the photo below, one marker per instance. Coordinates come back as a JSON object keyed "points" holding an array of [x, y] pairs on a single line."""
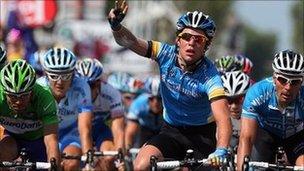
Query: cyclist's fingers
{"points": [[116, 5], [125, 9], [112, 14]]}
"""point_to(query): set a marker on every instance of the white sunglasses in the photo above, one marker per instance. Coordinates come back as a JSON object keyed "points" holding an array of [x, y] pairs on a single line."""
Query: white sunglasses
{"points": [[292, 81], [57, 77]]}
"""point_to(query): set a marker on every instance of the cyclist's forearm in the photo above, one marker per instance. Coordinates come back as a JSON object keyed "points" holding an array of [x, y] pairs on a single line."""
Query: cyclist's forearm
{"points": [[131, 130], [224, 131], [52, 149], [127, 39], [118, 132], [243, 149], [86, 140]]}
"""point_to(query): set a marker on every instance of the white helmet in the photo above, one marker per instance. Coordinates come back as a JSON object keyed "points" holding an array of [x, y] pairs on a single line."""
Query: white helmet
{"points": [[59, 60], [288, 62], [90, 69], [152, 86], [235, 83]]}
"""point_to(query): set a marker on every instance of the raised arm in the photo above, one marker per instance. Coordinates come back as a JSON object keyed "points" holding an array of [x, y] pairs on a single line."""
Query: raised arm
{"points": [[121, 34]]}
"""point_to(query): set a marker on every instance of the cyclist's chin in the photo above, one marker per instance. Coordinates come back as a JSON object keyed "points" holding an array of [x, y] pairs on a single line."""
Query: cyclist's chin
{"points": [[18, 108], [59, 93]]}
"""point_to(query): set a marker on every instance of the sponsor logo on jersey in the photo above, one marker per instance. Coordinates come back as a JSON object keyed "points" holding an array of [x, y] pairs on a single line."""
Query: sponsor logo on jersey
{"points": [[20, 126]]}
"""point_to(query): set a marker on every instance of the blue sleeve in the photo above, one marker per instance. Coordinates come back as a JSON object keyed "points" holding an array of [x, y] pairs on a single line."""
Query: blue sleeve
{"points": [[250, 107], [85, 102]]}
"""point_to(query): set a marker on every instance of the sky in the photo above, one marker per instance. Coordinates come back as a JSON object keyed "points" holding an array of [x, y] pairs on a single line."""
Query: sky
{"points": [[274, 16]]}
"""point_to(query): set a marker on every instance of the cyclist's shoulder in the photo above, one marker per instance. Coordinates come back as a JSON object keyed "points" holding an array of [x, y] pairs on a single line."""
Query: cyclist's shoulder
{"points": [[266, 85], [109, 90], [140, 101], [162, 48]]}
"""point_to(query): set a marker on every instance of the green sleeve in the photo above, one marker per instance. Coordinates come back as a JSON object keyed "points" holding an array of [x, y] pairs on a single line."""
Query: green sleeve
{"points": [[47, 107]]}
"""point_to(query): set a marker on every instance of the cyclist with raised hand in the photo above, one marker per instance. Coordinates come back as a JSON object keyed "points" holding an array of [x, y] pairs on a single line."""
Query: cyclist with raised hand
{"points": [[236, 85], [145, 114], [73, 97], [2, 57], [28, 114], [107, 104], [273, 113], [191, 88]]}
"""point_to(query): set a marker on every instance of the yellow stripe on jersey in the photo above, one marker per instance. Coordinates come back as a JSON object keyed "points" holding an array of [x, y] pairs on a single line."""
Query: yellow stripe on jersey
{"points": [[217, 93], [1, 132], [155, 49]]}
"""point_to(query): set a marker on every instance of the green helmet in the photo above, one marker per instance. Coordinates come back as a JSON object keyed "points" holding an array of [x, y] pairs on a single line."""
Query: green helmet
{"points": [[18, 77], [226, 64]]}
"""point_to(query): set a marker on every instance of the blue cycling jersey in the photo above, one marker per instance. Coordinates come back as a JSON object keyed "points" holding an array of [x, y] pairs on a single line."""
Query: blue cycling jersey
{"points": [[140, 111], [186, 95], [261, 104]]}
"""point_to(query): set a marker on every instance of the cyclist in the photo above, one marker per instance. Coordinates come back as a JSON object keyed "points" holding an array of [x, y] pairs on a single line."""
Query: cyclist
{"points": [[127, 85], [192, 93], [236, 85], [28, 114], [227, 64], [144, 115], [107, 106], [273, 113], [2, 57], [35, 61], [245, 62], [73, 97]]}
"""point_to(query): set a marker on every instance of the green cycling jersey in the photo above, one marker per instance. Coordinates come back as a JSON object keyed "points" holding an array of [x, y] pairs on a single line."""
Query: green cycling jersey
{"points": [[29, 125]]}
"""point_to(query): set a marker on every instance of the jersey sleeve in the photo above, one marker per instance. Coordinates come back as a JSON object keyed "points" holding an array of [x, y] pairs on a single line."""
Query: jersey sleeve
{"points": [[134, 111], [250, 106], [47, 106], [214, 84], [116, 106], [155, 49], [85, 100]]}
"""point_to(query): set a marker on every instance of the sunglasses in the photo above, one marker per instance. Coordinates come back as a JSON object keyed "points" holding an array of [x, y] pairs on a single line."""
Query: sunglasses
{"points": [[57, 77], [292, 81], [198, 39], [235, 100], [20, 96]]}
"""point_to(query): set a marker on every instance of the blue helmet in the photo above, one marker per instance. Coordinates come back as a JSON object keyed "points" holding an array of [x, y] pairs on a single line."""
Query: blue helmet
{"points": [[125, 82], [120, 81], [196, 20], [35, 61], [59, 60], [90, 69]]}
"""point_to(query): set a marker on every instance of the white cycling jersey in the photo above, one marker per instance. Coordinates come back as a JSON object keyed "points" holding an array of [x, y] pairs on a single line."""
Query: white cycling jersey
{"points": [[108, 103], [77, 100]]}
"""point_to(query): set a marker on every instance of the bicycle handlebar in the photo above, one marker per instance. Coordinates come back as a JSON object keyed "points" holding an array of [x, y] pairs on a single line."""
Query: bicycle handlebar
{"points": [[94, 154], [32, 165], [269, 165], [175, 164]]}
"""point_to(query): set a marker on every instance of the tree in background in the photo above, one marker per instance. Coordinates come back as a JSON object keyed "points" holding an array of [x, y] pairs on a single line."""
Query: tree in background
{"points": [[297, 12], [260, 48]]}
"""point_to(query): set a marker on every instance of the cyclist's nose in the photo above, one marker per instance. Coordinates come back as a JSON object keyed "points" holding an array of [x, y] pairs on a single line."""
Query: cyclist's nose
{"points": [[288, 86], [191, 41]]}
